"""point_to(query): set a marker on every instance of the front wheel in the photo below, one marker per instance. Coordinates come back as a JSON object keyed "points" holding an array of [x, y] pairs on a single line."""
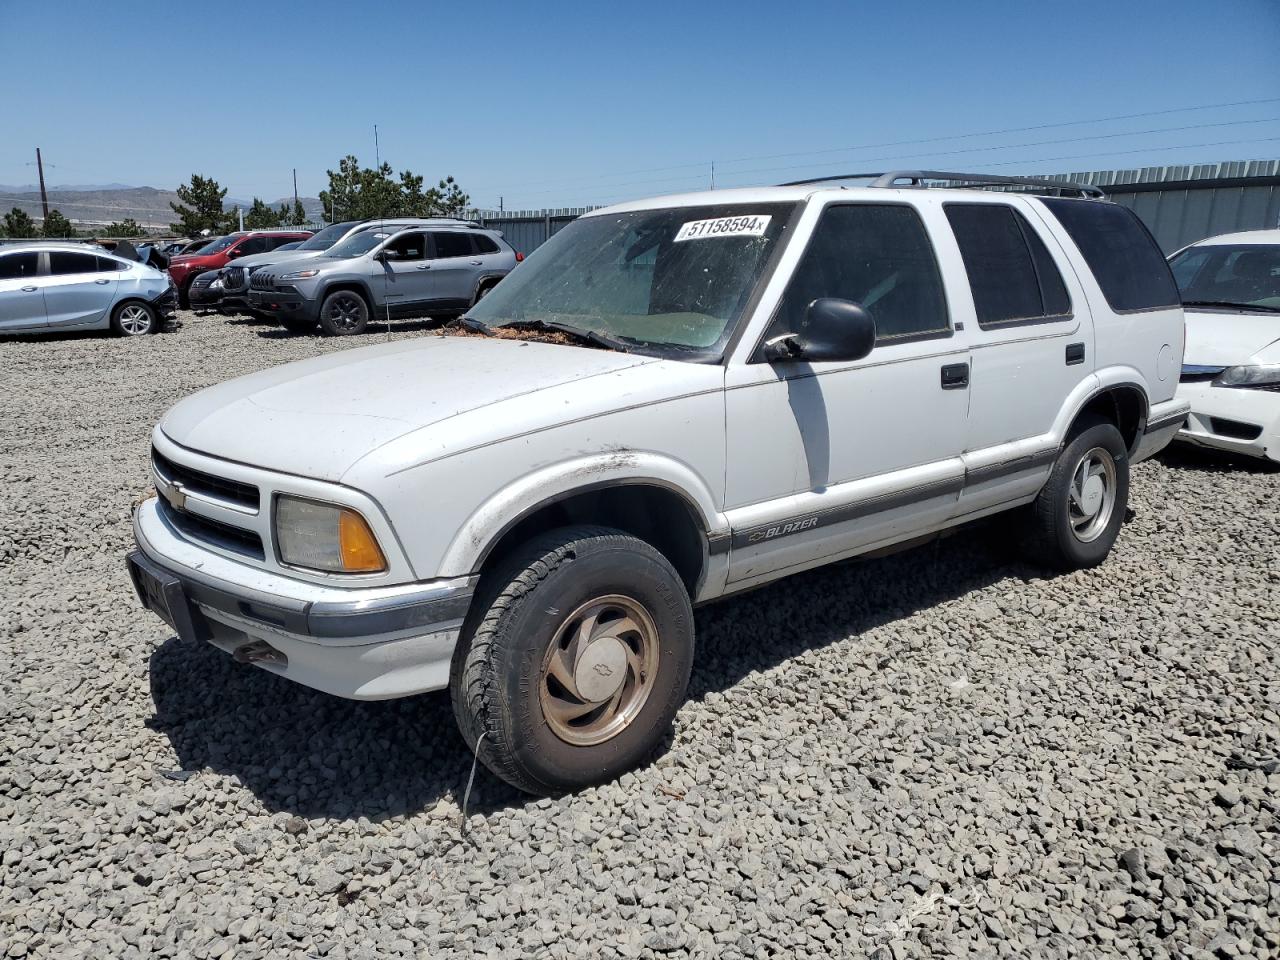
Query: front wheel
{"points": [[133, 319], [1075, 520], [577, 658], [344, 313]]}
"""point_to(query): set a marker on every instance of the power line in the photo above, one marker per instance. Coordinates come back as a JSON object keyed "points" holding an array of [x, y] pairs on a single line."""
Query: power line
{"points": [[898, 143], [942, 153]]}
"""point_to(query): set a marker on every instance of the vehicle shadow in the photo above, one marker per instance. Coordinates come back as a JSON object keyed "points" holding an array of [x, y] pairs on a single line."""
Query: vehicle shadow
{"points": [[1191, 457], [425, 325], [315, 755]]}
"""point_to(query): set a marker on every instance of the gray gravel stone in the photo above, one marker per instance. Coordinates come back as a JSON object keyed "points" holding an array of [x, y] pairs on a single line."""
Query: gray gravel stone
{"points": [[1103, 782]]}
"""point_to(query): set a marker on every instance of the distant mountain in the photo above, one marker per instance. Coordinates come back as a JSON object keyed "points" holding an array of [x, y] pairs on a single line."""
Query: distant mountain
{"points": [[65, 187], [147, 205]]}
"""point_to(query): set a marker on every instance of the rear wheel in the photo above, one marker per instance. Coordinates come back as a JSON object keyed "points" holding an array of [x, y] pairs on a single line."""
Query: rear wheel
{"points": [[344, 313], [133, 319], [483, 291], [1076, 518], [575, 661]]}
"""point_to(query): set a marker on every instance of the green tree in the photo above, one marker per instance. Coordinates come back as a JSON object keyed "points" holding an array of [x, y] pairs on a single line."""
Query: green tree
{"points": [[57, 226], [292, 218], [261, 216], [201, 208], [128, 227], [359, 193], [19, 225]]}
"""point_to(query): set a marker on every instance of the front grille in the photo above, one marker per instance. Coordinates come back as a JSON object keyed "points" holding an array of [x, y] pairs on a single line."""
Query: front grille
{"points": [[233, 278], [201, 283], [242, 494], [1234, 429], [234, 539], [261, 281]]}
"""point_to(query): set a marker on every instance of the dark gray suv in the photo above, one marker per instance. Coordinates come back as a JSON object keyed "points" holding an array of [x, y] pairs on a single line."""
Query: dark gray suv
{"points": [[385, 274]]}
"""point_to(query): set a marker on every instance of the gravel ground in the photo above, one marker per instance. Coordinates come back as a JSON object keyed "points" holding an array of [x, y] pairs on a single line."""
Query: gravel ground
{"points": [[936, 754]]}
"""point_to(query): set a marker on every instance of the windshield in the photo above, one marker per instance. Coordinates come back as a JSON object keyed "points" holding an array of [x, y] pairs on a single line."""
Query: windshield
{"points": [[217, 246], [674, 280], [327, 237], [359, 243], [1243, 274], [200, 245]]}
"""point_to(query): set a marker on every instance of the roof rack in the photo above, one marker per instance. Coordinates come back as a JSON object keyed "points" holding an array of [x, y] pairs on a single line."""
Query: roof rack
{"points": [[918, 178]]}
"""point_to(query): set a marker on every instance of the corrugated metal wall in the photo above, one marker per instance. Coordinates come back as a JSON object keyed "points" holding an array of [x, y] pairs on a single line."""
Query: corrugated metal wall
{"points": [[1179, 204]]}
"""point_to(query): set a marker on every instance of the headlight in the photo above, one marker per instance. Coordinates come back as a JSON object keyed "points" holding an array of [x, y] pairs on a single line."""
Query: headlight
{"points": [[298, 275], [323, 536], [1258, 375]]}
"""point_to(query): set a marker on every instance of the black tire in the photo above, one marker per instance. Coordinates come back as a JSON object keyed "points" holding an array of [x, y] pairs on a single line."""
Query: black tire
{"points": [[483, 290], [1050, 535], [133, 318], [295, 324], [344, 313], [184, 296], [499, 674]]}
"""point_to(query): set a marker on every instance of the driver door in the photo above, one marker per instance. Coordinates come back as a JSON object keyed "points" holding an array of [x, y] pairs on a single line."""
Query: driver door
{"points": [[829, 458], [404, 273]]}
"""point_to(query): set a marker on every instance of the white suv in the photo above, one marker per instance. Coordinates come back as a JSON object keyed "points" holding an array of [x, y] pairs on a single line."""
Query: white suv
{"points": [[670, 401]]}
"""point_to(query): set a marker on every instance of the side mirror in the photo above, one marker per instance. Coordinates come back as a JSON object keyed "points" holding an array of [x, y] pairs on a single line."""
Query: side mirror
{"points": [[832, 329], [231, 255]]}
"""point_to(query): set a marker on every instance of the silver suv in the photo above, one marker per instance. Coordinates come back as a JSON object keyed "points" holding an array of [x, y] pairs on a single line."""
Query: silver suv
{"points": [[383, 274]]}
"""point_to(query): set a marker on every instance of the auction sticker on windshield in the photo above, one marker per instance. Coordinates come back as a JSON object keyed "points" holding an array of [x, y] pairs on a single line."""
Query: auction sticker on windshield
{"points": [[746, 226]]}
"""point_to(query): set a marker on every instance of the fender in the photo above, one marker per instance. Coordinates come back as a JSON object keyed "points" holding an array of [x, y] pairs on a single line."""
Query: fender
{"points": [[1108, 378], [484, 278], [485, 526], [363, 286]]}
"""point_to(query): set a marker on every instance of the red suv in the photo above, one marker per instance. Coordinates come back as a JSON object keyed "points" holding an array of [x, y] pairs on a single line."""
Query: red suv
{"points": [[184, 269]]}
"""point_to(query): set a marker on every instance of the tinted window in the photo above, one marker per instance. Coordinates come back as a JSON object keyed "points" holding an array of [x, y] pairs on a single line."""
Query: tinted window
{"points": [[408, 246], [452, 245], [1241, 274], [106, 263], [17, 266], [63, 262], [1010, 272], [1119, 250], [484, 244], [878, 256], [255, 245]]}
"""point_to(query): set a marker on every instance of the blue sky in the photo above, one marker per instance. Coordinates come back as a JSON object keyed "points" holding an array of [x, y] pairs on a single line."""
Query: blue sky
{"points": [[557, 104]]}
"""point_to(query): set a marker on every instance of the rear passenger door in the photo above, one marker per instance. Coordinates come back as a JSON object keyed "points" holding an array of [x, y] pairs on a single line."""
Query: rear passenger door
{"points": [[1032, 341], [79, 288], [456, 267]]}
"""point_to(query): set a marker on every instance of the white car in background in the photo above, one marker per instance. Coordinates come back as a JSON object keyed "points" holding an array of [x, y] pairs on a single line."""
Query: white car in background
{"points": [[1231, 372]]}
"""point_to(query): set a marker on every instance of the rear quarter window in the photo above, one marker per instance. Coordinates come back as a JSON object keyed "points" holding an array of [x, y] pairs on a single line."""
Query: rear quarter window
{"points": [[1120, 252]]}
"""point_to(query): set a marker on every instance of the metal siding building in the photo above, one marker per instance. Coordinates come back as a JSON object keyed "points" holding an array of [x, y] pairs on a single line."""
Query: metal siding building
{"points": [[1179, 204]]}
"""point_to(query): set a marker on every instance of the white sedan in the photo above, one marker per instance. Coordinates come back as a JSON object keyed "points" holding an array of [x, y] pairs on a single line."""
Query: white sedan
{"points": [[1231, 368]]}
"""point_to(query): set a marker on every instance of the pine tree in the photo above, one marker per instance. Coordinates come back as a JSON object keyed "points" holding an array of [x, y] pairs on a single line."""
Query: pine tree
{"points": [[201, 208]]}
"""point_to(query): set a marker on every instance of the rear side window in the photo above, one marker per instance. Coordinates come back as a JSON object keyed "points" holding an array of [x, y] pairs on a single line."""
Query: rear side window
{"points": [[483, 244], [106, 263], [878, 255], [63, 262], [18, 266], [254, 245], [452, 245], [1120, 251], [1011, 274]]}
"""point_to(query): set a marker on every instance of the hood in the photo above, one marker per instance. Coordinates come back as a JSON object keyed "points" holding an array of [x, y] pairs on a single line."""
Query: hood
{"points": [[1226, 338], [274, 256], [317, 417]]}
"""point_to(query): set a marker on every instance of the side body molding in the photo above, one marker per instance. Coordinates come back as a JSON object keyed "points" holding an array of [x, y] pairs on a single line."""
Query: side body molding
{"points": [[559, 481]]}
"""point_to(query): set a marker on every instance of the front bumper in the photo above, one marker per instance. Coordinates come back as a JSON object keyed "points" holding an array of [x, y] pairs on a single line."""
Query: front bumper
{"points": [[288, 304], [204, 297], [1243, 420], [165, 304], [364, 644]]}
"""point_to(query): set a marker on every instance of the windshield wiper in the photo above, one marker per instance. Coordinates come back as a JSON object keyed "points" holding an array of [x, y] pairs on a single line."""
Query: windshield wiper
{"points": [[1230, 304], [602, 340]]}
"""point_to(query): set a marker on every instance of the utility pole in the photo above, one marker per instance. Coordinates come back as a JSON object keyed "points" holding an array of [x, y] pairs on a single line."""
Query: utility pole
{"points": [[44, 197], [500, 204], [295, 189], [713, 174]]}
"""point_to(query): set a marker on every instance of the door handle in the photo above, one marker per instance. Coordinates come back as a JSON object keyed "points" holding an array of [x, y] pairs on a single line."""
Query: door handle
{"points": [[424, 266], [955, 376], [477, 263], [30, 289], [102, 282], [1075, 353]]}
